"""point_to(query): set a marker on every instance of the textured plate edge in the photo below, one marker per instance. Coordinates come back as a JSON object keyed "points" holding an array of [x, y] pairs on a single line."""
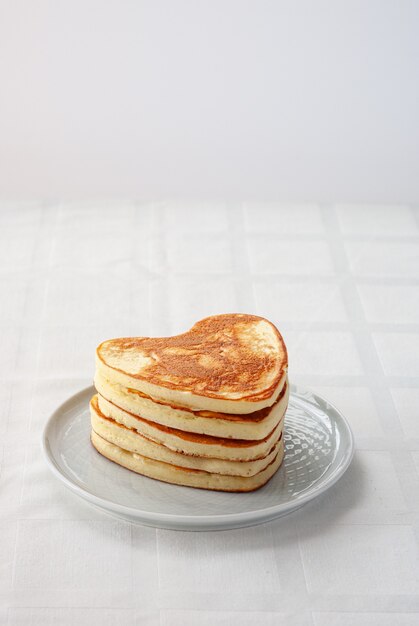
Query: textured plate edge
{"points": [[198, 522]]}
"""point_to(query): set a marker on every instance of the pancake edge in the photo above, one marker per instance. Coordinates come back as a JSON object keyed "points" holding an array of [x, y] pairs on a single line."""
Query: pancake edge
{"points": [[133, 442], [181, 476], [186, 419]]}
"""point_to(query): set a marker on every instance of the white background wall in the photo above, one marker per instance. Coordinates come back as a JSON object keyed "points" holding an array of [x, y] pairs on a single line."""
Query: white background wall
{"points": [[241, 99]]}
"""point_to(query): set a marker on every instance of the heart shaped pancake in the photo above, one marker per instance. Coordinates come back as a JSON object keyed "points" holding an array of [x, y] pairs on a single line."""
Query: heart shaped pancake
{"points": [[233, 363]]}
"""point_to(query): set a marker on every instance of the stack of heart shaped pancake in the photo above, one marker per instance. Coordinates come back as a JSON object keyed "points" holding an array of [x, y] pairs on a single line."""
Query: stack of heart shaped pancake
{"points": [[203, 409]]}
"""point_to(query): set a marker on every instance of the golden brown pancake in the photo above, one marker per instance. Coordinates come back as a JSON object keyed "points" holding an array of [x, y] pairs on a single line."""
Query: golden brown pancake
{"points": [[185, 476], [256, 425], [189, 443], [132, 441], [231, 363], [204, 408]]}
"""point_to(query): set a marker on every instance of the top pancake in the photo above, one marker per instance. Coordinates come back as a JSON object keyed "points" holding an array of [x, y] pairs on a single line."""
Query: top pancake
{"points": [[233, 363]]}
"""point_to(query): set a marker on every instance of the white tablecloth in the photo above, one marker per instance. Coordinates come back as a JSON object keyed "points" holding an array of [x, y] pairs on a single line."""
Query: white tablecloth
{"points": [[341, 283]]}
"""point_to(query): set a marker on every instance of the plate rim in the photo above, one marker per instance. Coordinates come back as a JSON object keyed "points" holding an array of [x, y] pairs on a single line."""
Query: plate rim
{"points": [[244, 517]]}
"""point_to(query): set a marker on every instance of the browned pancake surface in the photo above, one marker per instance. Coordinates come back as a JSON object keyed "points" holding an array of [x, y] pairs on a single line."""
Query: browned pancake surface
{"points": [[213, 356]]}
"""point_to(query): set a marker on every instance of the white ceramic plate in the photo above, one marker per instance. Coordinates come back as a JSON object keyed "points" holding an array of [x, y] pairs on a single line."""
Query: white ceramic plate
{"points": [[318, 450]]}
